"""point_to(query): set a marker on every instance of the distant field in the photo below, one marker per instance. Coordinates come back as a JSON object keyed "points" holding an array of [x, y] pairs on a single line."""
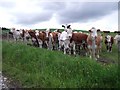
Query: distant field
{"points": [[35, 67]]}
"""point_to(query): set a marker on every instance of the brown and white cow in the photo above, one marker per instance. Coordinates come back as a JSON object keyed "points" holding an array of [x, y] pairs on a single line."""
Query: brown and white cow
{"points": [[33, 37], [78, 39], [94, 42], [69, 39], [42, 39], [46, 38], [54, 39]]}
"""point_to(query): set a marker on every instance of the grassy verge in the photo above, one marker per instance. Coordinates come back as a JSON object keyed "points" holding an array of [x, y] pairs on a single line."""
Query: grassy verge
{"points": [[35, 67]]}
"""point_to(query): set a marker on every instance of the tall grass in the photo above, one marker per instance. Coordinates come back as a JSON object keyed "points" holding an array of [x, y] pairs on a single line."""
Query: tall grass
{"points": [[35, 67]]}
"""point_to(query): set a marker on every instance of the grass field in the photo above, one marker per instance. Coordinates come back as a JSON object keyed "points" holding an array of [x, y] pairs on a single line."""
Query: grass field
{"points": [[35, 67]]}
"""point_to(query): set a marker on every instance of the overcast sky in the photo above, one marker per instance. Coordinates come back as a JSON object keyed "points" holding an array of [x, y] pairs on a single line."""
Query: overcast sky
{"points": [[53, 13]]}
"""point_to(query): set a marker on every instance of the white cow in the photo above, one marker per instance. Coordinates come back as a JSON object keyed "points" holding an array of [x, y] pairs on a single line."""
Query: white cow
{"points": [[64, 38], [16, 34], [117, 38]]}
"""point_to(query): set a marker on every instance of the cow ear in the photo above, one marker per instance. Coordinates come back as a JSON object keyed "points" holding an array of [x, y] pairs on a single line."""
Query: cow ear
{"points": [[63, 26], [89, 30], [98, 30], [68, 26]]}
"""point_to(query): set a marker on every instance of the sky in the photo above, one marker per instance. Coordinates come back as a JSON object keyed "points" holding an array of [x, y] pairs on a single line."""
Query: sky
{"points": [[40, 14]]}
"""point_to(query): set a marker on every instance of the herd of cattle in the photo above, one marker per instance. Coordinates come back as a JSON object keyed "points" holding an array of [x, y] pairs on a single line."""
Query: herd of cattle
{"points": [[67, 40]]}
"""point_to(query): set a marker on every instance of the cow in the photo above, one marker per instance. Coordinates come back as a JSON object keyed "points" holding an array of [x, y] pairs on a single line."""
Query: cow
{"points": [[26, 35], [70, 40], [42, 39], [64, 38], [33, 36], [109, 40], [46, 38], [117, 38], [54, 39], [17, 34], [94, 42], [78, 39]]}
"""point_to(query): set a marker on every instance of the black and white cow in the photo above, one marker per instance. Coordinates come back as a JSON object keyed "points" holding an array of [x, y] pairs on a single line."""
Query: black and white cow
{"points": [[109, 42]]}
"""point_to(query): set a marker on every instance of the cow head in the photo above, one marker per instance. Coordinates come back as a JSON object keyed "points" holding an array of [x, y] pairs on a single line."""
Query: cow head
{"points": [[108, 38], [47, 32], [36, 32], [68, 29], [98, 30], [12, 30]]}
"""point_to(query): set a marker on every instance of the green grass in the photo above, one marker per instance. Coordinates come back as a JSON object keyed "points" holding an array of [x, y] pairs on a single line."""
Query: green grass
{"points": [[0, 55], [35, 67]]}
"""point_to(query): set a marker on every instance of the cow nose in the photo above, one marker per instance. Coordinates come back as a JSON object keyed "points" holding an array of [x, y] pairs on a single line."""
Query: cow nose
{"points": [[69, 36]]}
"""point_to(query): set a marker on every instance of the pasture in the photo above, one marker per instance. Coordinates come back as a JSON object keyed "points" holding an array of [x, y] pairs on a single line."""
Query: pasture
{"points": [[41, 68]]}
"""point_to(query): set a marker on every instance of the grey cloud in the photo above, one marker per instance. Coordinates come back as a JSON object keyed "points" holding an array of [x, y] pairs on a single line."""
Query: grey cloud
{"points": [[29, 18], [49, 8], [52, 5], [85, 12], [66, 12]]}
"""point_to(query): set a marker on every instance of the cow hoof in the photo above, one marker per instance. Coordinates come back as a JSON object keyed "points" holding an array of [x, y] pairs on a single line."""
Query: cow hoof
{"points": [[98, 56], [90, 57], [96, 59]]}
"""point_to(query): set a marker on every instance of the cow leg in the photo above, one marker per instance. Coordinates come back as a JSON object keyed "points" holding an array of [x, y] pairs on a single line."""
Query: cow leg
{"points": [[33, 41], [60, 45], [70, 48], [64, 50], [93, 49], [40, 43], [90, 52], [97, 52], [85, 48], [74, 49], [107, 48], [14, 38], [50, 44], [86, 51], [46, 44], [111, 48], [66, 46], [25, 40]]}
